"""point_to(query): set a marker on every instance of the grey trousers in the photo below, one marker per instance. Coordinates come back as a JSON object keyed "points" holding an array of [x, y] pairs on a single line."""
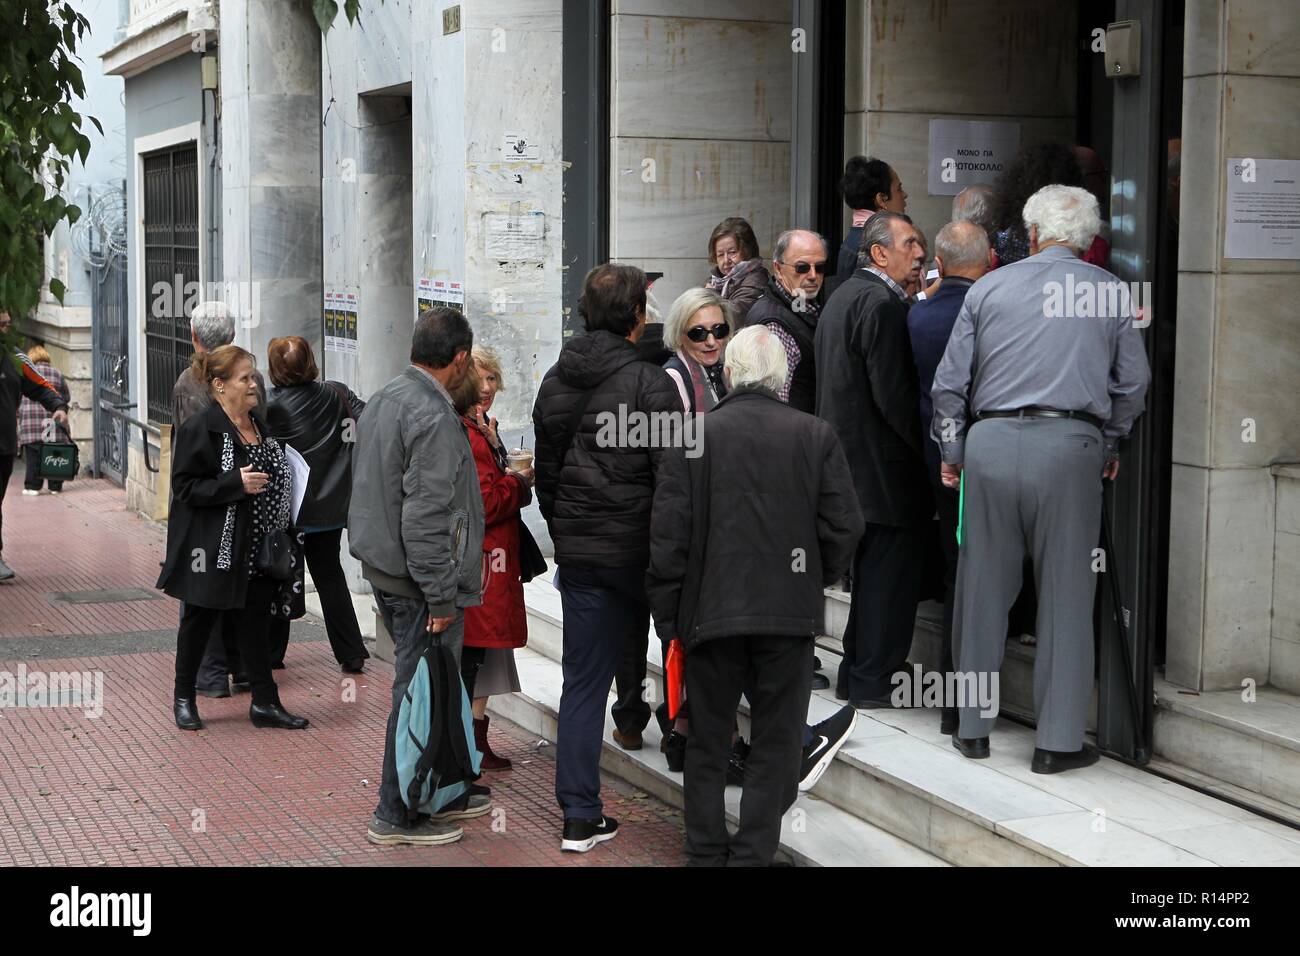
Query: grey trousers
{"points": [[1034, 485]]}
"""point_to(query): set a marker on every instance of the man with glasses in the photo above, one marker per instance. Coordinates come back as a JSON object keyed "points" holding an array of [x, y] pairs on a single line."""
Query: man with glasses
{"points": [[18, 377], [790, 308]]}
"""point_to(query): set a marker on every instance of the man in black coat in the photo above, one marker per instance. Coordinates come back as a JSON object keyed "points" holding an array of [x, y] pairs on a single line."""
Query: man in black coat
{"points": [[18, 378], [596, 462], [790, 307], [743, 539], [867, 390]]}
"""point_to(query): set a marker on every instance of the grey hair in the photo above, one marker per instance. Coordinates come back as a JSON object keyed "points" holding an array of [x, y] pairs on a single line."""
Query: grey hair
{"points": [[960, 244], [756, 357], [879, 231], [684, 308], [783, 243], [212, 325], [974, 204], [1068, 214]]}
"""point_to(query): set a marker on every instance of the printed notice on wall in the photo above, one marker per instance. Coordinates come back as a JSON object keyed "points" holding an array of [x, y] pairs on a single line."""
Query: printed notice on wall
{"points": [[518, 237], [518, 148], [965, 153], [1263, 217]]}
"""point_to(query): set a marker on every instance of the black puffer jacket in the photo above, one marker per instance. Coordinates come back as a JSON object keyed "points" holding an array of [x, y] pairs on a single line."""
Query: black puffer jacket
{"points": [[597, 501], [319, 422]]}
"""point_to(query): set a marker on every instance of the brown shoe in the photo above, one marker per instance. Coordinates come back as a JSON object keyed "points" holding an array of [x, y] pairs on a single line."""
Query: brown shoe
{"points": [[490, 760], [628, 740]]}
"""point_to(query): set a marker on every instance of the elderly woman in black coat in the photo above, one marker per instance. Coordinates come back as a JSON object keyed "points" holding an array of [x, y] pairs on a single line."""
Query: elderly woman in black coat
{"points": [[318, 419], [227, 534]]}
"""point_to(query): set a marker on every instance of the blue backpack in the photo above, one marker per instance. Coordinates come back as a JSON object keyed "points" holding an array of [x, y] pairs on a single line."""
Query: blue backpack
{"points": [[435, 750]]}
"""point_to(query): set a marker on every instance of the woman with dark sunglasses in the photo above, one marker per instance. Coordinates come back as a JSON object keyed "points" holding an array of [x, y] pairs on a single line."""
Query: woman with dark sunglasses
{"points": [[696, 329]]}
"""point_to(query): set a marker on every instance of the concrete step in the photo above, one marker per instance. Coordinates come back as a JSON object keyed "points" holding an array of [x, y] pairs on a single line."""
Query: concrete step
{"points": [[899, 775], [813, 832], [1250, 749]]}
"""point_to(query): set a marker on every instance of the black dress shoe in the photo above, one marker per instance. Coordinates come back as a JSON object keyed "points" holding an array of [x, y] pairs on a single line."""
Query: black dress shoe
{"points": [[736, 763], [273, 715], [214, 692], [977, 748], [356, 666], [675, 751], [867, 703], [187, 715], [820, 681], [1055, 761], [239, 683], [948, 721]]}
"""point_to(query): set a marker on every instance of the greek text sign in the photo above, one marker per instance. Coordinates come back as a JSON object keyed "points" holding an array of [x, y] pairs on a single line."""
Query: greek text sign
{"points": [[965, 153]]}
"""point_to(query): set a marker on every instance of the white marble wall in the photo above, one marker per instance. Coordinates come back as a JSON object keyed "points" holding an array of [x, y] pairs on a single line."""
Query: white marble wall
{"points": [[910, 61], [702, 90], [270, 162], [1233, 549]]}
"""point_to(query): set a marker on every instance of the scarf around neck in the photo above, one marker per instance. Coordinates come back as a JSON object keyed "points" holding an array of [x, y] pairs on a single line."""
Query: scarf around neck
{"points": [[810, 306], [721, 284], [706, 381]]}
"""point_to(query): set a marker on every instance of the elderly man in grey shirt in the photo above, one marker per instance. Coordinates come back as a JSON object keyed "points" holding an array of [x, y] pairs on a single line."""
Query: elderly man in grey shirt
{"points": [[1043, 375]]}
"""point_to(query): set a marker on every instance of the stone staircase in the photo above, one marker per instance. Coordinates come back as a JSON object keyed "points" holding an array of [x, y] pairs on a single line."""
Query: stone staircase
{"points": [[898, 794]]}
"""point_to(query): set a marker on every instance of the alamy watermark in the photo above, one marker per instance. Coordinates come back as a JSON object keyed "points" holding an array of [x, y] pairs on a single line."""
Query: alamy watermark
{"points": [[636, 429], [1087, 299], [242, 300], [37, 688], [921, 688]]}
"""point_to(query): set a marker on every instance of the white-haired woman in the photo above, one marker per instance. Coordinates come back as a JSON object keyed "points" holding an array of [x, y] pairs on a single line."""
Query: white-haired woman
{"points": [[696, 329]]}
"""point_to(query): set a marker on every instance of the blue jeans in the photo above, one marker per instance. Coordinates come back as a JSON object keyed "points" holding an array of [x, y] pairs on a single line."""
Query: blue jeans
{"points": [[407, 620], [604, 609]]}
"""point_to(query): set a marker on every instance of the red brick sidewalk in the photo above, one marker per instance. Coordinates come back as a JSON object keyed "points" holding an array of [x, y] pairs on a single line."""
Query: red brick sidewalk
{"points": [[128, 788]]}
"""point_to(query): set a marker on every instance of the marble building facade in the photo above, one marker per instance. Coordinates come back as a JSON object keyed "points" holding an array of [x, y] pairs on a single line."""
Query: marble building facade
{"points": [[418, 149]]}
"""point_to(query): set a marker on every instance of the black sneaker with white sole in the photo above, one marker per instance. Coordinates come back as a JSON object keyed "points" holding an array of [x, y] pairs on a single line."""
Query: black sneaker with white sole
{"points": [[828, 737], [581, 835]]}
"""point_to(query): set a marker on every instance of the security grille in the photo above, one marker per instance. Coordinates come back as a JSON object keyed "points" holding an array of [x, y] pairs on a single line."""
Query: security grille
{"points": [[171, 262]]}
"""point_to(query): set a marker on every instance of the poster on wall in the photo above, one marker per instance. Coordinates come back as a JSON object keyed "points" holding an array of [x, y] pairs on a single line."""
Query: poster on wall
{"points": [[423, 294], [518, 237], [348, 334], [1263, 217], [331, 326], [967, 153]]}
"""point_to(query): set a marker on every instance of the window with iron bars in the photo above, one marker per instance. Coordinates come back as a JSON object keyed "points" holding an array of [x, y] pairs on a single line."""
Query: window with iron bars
{"points": [[171, 257]]}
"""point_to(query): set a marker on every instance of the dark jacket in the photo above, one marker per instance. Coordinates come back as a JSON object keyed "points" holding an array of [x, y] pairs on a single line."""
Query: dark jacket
{"points": [[415, 520], [742, 292], [651, 346], [847, 262], [207, 564], [317, 422], [929, 324], [867, 390], [597, 501], [18, 378], [772, 309], [745, 536]]}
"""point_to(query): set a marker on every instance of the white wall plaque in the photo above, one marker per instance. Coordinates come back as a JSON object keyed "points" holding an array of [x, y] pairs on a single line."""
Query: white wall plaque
{"points": [[965, 153], [1263, 216]]}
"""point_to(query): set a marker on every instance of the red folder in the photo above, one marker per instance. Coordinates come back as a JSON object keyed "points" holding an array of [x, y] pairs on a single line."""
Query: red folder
{"points": [[675, 677]]}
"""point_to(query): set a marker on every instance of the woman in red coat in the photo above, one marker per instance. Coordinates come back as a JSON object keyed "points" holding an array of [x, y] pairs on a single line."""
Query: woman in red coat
{"points": [[496, 627]]}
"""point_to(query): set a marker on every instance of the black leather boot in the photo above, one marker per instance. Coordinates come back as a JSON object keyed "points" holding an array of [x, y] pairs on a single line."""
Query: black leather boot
{"points": [[187, 714], [273, 715]]}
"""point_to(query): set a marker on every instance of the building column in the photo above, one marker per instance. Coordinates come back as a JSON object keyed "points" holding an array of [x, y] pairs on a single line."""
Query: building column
{"points": [[1235, 519], [270, 78]]}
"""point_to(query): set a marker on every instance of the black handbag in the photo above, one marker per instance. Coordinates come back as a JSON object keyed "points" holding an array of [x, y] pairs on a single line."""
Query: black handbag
{"points": [[276, 556], [532, 563]]}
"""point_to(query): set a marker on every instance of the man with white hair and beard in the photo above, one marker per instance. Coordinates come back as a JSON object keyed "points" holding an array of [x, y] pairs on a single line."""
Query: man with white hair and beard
{"points": [[742, 540], [1030, 401]]}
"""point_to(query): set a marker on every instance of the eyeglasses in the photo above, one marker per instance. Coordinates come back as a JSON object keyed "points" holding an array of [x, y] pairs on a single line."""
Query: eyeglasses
{"points": [[803, 268], [701, 334]]}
